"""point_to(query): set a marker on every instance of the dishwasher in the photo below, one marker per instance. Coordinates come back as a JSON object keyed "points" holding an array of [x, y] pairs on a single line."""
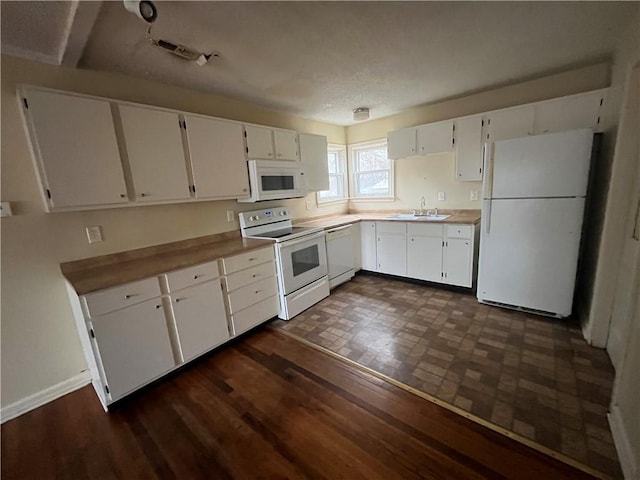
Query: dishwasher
{"points": [[340, 255]]}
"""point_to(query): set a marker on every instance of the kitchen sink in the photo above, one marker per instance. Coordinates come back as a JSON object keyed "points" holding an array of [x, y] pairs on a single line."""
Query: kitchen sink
{"points": [[416, 216]]}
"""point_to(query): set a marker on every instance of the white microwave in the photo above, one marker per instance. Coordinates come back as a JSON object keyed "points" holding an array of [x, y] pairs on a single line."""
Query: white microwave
{"points": [[274, 180]]}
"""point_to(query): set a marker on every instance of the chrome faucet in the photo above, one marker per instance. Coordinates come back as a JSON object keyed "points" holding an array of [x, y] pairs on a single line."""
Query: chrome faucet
{"points": [[423, 203], [433, 212]]}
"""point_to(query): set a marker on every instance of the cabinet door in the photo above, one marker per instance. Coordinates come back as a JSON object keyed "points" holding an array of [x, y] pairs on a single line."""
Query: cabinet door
{"points": [[76, 142], [134, 346], [156, 155], [512, 123], [435, 137], [286, 145], [368, 243], [392, 254], [469, 149], [259, 142], [314, 158], [424, 258], [217, 157], [201, 319], [401, 143], [575, 112], [457, 262]]}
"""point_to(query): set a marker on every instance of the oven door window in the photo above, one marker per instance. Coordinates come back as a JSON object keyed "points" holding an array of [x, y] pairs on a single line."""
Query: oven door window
{"points": [[304, 260], [272, 183]]}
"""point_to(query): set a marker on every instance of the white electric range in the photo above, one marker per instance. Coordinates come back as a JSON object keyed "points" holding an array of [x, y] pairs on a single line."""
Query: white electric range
{"points": [[301, 257]]}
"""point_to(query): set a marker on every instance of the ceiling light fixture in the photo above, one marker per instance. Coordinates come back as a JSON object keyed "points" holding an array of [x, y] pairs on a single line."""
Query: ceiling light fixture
{"points": [[360, 114]]}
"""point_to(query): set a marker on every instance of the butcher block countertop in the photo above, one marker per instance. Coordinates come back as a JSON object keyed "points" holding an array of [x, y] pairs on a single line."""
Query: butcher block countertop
{"points": [[106, 271], [468, 217]]}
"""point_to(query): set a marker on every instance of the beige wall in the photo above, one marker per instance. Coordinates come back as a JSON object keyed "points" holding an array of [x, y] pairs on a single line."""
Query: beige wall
{"points": [[40, 346]]}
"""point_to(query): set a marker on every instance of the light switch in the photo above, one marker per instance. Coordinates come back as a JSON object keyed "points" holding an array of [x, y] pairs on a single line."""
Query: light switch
{"points": [[5, 209], [309, 204], [474, 195], [231, 215], [440, 195], [94, 234]]}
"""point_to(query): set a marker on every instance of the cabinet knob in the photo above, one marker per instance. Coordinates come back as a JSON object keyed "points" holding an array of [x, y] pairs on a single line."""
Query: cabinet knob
{"points": [[127, 297], [258, 291], [195, 277], [143, 194], [251, 259], [122, 195], [158, 306]]}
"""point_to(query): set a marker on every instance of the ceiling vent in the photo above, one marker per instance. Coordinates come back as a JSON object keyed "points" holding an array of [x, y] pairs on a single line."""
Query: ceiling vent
{"points": [[360, 114]]}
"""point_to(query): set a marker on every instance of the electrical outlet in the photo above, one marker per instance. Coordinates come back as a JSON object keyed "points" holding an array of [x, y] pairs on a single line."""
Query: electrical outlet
{"points": [[231, 215], [94, 234], [474, 195], [5, 209], [309, 204], [440, 195]]}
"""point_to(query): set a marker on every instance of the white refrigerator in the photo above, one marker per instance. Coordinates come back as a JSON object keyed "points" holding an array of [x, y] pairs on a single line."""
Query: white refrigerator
{"points": [[533, 203]]}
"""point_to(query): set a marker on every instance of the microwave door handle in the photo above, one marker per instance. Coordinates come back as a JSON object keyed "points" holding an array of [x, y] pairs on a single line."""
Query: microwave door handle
{"points": [[306, 238]]}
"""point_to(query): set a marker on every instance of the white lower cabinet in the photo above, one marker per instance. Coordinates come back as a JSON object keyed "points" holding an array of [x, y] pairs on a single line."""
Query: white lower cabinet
{"points": [[137, 332], [133, 346], [251, 288], [201, 320], [392, 250], [368, 244], [425, 251]]}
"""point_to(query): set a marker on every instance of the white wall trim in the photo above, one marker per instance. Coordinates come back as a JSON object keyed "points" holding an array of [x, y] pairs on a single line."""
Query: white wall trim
{"points": [[44, 396], [623, 445]]}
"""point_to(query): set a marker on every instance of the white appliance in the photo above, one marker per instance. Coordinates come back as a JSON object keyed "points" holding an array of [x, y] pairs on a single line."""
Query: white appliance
{"points": [[301, 257], [340, 255], [274, 180], [534, 195]]}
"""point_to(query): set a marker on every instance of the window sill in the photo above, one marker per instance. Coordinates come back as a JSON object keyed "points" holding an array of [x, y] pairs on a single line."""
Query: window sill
{"points": [[372, 199], [327, 203]]}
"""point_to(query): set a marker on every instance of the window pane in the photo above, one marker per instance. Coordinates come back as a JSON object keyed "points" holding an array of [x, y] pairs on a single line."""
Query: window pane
{"points": [[335, 188], [373, 184], [372, 159], [333, 162]]}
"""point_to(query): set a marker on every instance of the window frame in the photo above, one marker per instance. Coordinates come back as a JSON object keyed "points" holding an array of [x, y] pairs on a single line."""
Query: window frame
{"points": [[341, 150], [353, 151]]}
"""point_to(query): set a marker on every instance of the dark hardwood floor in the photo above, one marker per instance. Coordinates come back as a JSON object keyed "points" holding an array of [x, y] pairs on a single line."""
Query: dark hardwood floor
{"points": [[265, 406]]}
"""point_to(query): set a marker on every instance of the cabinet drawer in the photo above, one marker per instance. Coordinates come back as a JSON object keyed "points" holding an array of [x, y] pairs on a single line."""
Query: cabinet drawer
{"points": [[246, 296], [391, 227], [246, 260], [255, 314], [459, 231], [115, 298], [425, 229], [250, 275], [186, 277]]}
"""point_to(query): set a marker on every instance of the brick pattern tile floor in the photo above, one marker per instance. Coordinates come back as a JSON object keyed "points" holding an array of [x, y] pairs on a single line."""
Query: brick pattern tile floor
{"points": [[532, 375]]}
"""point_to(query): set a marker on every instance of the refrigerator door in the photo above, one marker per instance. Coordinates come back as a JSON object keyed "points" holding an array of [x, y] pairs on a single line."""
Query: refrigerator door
{"points": [[539, 166], [529, 253]]}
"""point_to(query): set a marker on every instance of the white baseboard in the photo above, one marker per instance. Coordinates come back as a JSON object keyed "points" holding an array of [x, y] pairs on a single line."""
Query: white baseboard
{"points": [[45, 396], [628, 460]]}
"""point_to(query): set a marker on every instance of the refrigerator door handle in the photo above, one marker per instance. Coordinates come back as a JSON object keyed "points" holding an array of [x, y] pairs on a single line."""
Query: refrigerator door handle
{"points": [[487, 214], [488, 170]]}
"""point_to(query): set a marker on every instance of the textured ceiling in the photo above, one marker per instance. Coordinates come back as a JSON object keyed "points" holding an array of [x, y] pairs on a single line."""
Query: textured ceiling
{"points": [[323, 59]]}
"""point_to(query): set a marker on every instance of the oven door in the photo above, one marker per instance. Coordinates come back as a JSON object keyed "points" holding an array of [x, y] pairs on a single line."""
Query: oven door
{"points": [[275, 180], [302, 261]]}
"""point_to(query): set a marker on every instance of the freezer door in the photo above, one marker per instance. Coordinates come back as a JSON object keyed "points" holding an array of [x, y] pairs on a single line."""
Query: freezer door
{"points": [[529, 253], [550, 165]]}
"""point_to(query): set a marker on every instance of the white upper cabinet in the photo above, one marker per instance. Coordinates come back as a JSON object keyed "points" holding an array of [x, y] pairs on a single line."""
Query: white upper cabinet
{"points": [[435, 137], [578, 111], [155, 151], [313, 155], [510, 123], [76, 149], [401, 143], [286, 145], [216, 152], [468, 136], [264, 143]]}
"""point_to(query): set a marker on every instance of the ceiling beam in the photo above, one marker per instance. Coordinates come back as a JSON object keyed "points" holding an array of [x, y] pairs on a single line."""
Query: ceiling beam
{"points": [[85, 17]]}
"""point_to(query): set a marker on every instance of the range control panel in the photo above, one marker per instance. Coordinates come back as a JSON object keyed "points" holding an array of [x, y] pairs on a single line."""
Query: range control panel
{"points": [[256, 218]]}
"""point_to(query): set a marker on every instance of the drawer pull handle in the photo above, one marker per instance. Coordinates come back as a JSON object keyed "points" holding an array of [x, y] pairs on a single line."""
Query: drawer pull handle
{"points": [[127, 297]]}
